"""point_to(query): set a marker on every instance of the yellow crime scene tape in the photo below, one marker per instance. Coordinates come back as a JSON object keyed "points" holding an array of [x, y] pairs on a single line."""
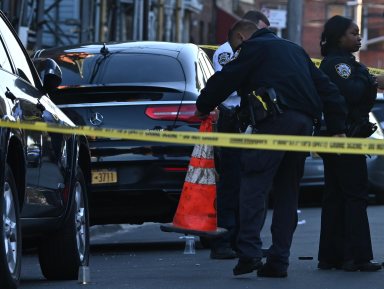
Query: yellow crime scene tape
{"points": [[250, 141], [372, 70]]}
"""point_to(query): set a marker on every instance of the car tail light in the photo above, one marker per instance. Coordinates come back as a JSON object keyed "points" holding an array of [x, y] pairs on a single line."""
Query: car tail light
{"points": [[184, 112]]}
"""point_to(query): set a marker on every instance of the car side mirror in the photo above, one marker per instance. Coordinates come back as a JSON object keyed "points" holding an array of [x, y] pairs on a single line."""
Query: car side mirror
{"points": [[49, 71]]}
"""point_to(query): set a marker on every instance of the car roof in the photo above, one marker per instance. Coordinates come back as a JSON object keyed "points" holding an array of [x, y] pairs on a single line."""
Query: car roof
{"points": [[186, 53], [151, 47]]}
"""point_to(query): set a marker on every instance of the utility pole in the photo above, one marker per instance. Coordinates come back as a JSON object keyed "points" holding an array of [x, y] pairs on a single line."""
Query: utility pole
{"points": [[212, 34], [160, 23], [168, 9], [359, 12], [39, 24], [145, 19], [358, 21], [137, 20], [97, 21], [295, 19], [85, 23], [103, 20], [178, 18]]}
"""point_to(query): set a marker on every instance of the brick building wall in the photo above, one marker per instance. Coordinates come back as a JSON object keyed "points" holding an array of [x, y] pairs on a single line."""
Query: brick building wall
{"points": [[316, 12], [313, 21], [373, 58], [203, 24]]}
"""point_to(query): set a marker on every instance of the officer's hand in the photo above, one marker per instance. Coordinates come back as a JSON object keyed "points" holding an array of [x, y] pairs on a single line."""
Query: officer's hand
{"points": [[339, 135], [201, 115]]}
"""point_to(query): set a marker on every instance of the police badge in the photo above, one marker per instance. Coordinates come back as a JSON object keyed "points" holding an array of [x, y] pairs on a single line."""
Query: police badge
{"points": [[344, 70], [224, 57]]}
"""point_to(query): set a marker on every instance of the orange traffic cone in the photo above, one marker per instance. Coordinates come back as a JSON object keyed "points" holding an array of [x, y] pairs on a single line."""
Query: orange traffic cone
{"points": [[196, 211]]}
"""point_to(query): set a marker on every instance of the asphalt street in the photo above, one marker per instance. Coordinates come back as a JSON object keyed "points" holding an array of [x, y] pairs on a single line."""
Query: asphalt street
{"points": [[143, 257]]}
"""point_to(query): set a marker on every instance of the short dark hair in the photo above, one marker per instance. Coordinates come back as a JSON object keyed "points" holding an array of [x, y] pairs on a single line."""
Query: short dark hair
{"points": [[334, 29], [242, 25], [255, 16]]}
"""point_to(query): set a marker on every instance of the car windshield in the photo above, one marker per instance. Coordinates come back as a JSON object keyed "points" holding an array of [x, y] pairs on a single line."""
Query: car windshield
{"points": [[118, 68]]}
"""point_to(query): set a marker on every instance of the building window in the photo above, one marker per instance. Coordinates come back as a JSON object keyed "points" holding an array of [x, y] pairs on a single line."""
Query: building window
{"points": [[277, 16]]}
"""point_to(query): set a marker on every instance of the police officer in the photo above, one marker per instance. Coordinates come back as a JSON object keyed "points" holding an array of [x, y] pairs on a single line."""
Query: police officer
{"points": [[228, 165], [264, 60], [345, 240], [224, 52]]}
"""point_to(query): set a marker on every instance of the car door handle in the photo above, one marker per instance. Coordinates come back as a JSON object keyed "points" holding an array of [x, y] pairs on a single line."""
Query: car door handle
{"points": [[10, 95]]}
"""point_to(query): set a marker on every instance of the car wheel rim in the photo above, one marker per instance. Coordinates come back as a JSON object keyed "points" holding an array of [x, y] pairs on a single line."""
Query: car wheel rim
{"points": [[10, 228], [80, 221]]}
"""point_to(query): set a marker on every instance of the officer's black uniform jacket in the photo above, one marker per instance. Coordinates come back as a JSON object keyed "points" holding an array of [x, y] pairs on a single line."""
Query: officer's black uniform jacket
{"points": [[354, 82], [266, 60]]}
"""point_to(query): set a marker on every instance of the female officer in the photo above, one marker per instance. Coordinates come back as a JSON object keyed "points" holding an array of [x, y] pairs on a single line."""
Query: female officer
{"points": [[345, 241]]}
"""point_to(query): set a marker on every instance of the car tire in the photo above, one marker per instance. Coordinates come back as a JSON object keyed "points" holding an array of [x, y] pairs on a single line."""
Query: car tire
{"points": [[62, 253], [10, 243]]}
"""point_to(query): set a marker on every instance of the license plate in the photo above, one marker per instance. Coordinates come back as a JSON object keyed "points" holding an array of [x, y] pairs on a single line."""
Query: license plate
{"points": [[107, 176]]}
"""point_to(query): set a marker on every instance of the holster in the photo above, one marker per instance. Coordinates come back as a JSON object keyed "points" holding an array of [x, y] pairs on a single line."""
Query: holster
{"points": [[228, 120], [362, 128], [262, 104]]}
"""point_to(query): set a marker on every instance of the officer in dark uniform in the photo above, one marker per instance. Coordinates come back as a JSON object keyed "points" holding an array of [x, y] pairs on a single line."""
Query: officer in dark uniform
{"points": [[345, 240], [264, 60], [227, 161]]}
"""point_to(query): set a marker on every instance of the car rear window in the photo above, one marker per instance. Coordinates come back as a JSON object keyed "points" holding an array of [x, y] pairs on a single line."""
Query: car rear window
{"points": [[119, 68]]}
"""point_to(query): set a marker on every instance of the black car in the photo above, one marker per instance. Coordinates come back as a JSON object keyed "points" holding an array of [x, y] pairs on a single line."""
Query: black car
{"points": [[136, 85], [43, 176], [375, 163]]}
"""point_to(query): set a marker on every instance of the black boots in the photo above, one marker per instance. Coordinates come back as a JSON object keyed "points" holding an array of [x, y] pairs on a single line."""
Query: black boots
{"points": [[245, 266], [270, 271], [351, 266], [369, 266]]}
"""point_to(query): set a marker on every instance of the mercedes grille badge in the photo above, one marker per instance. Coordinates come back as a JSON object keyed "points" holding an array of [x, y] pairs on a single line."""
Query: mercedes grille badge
{"points": [[96, 119]]}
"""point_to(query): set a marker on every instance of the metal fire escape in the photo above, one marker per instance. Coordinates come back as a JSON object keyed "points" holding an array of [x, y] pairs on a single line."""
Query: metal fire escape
{"points": [[50, 23], [41, 23]]}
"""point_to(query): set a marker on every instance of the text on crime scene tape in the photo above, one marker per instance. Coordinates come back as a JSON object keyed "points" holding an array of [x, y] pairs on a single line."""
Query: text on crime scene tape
{"points": [[246, 141]]}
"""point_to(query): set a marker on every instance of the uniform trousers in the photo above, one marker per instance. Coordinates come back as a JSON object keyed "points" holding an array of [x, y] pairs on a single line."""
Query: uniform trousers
{"points": [[260, 170], [228, 185], [345, 233], [227, 198]]}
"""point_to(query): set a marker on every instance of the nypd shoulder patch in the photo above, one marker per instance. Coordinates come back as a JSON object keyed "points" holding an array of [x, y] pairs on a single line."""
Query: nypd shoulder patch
{"points": [[344, 70], [224, 57]]}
